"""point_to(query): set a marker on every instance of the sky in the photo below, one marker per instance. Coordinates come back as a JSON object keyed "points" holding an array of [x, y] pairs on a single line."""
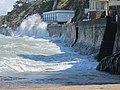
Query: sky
{"points": [[6, 6]]}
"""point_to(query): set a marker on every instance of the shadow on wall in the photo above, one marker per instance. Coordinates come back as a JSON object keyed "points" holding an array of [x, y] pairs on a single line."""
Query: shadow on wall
{"points": [[108, 41]]}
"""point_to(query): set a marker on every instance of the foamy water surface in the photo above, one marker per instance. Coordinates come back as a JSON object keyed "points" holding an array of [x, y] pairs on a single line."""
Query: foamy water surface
{"points": [[30, 57], [26, 57], [24, 54]]}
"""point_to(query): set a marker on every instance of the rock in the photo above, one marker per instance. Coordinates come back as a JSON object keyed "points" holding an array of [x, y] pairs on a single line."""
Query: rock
{"points": [[110, 64]]}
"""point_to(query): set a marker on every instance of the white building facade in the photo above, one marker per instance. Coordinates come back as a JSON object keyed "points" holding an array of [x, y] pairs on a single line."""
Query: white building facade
{"points": [[101, 8], [58, 16], [96, 5]]}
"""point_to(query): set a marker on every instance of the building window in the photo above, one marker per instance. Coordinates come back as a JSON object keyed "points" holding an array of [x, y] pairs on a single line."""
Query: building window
{"points": [[44, 18], [52, 17], [55, 17], [48, 17], [100, 6], [90, 6], [93, 5]]}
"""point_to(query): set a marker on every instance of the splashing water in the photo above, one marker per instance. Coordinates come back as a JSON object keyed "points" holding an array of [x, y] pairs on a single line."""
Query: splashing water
{"points": [[33, 26], [27, 60], [28, 54]]}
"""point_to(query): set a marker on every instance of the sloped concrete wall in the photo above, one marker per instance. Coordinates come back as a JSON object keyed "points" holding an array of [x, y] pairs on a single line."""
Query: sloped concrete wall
{"points": [[117, 39], [54, 30], [69, 33], [90, 35]]}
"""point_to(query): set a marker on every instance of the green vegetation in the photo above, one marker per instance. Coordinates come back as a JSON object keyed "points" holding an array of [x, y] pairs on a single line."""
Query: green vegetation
{"points": [[63, 4], [23, 9], [1, 17]]}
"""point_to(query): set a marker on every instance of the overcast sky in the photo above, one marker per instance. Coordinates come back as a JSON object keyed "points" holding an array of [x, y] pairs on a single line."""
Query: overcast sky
{"points": [[5, 6]]}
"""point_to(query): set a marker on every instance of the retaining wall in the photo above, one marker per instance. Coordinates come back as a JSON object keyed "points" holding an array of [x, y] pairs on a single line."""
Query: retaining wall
{"points": [[69, 33], [117, 39], [54, 30], [90, 35]]}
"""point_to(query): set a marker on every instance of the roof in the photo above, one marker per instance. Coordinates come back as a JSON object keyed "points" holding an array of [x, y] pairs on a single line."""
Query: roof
{"points": [[59, 11]]}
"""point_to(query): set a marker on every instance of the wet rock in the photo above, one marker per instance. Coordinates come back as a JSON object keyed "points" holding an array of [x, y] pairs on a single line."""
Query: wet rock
{"points": [[110, 64]]}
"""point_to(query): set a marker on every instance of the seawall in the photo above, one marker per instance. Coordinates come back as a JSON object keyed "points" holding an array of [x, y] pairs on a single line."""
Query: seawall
{"points": [[54, 30], [85, 37], [117, 39], [90, 35]]}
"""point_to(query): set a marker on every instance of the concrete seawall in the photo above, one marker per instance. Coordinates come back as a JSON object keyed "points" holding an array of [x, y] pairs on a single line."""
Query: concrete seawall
{"points": [[117, 39], [90, 35], [69, 33], [54, 30]]}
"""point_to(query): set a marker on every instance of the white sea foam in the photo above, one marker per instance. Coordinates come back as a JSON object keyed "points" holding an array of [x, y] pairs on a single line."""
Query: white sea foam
{"points": [[22, 65], [24, 54], [27, 54], [33, 26], [43, 60]]}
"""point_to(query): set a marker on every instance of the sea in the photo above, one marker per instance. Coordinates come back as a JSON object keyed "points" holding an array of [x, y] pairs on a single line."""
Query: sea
{"points": [[29, 57]]}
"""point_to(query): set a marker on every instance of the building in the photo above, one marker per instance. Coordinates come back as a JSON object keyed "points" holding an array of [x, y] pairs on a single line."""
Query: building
{"points": [[95, 5], [99, 8], [114, 3], [98, 5], [58, 16]]}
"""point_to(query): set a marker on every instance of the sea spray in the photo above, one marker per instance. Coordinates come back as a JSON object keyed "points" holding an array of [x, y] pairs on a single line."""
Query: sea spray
{"points": [[10, 31], [33, 26], [5, 31]]}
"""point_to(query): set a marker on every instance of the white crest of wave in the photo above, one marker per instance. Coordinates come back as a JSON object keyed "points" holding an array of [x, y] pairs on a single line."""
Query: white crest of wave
{"points": [[33, 26]]}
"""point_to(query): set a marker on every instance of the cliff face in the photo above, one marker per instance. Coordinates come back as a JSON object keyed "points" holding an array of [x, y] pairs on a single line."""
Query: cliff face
{"points": [[20, 12], [77, 5], [55, 4]]}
